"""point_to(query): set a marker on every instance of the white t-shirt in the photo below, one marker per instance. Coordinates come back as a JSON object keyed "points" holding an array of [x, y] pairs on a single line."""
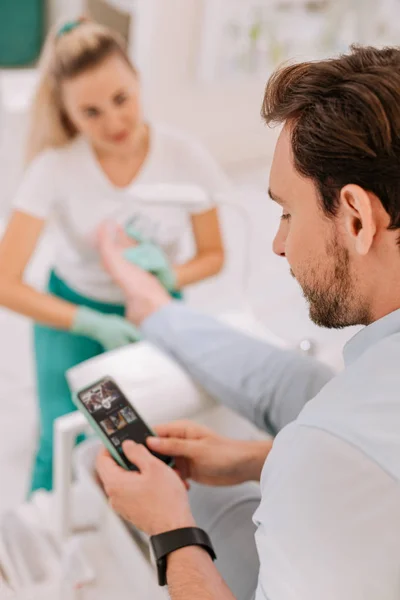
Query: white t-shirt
{"points": [[68, 187]]}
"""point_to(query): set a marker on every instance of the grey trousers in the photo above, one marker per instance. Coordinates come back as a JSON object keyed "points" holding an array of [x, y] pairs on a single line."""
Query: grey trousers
{"points": [[226, 514]]}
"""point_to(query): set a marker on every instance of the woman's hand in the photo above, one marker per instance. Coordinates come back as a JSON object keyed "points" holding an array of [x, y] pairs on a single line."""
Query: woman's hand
{"points": [[206, 457], [111, 331], [152, 259]]}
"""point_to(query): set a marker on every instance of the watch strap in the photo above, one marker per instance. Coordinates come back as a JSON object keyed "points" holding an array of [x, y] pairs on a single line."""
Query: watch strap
{"points": [[169, 541]]}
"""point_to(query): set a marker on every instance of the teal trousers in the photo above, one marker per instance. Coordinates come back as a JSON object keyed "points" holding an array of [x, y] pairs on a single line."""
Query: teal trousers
{"points": [[56, 351]]}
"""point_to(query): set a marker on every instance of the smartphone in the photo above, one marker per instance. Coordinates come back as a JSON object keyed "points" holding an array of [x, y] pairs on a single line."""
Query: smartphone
{"points": [[115, 420]]}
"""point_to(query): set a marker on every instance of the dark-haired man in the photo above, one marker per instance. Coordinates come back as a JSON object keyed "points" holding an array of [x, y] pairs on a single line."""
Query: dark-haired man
{"points": [[328, 522]]}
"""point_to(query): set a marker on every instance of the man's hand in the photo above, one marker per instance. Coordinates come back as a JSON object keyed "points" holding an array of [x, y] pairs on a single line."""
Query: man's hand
{"points": [[143, 292], [202, 455], [154, 499]]}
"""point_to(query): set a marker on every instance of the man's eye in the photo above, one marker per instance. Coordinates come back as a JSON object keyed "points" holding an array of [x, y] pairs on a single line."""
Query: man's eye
{"points": [[285, 217]]}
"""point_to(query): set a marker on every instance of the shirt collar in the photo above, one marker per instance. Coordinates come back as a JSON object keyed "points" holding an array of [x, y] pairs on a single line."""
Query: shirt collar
{"points": [[370, 335]]}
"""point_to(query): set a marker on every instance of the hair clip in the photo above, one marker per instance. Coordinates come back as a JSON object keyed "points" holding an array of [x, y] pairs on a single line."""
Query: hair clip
{"points": [[67, 27]]}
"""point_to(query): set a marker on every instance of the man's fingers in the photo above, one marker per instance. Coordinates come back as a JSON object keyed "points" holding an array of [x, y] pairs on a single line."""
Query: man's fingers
{"points": [[124, 241], [171, 446], [108, 233], [182, 467], [186, 484], [106, 237], [182, 429], [138, 454], [107, 468], [110, 253]]}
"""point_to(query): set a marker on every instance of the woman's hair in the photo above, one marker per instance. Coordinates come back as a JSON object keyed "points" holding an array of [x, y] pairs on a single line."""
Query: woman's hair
{"points": [[68, 52], [344, 118]]}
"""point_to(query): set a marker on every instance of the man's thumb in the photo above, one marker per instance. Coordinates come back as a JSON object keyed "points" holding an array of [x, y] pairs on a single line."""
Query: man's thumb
{"points": [[137, 454], [171, 446]]}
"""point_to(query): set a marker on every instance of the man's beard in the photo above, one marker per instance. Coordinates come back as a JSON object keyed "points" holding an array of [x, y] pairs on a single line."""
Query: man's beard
{"points": [[332, 293]]}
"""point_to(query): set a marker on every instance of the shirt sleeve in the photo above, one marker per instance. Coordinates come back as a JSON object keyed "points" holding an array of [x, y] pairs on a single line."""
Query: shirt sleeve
{"points": [[37, 191], [326, 521], [265, 384]]}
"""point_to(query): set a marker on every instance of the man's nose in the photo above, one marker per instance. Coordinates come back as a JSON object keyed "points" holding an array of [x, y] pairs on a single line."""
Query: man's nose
{"points": [[278, 245]]}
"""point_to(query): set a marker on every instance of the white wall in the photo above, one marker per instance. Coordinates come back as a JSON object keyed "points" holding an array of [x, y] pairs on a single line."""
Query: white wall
{"points": [[226, 115], [64, 9]]}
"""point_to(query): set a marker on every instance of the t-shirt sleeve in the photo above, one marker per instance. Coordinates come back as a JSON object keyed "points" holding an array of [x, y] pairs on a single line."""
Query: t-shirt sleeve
{"points": [[37, 192], [326, 521], [203, 170]]}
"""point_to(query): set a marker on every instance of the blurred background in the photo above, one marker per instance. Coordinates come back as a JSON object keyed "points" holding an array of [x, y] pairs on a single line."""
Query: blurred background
{"points": [[203, 63], [203, 66]]}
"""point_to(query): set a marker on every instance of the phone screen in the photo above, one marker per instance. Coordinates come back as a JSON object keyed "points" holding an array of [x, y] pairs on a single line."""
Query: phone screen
{"points": [[117, 418]]}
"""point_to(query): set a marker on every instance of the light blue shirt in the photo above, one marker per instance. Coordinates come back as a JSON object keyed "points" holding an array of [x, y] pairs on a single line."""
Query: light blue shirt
{"points": [[329, 518]]}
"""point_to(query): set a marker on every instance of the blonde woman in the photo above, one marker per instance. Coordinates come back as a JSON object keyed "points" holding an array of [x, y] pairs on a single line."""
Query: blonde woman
{"points": [[89, 150]]}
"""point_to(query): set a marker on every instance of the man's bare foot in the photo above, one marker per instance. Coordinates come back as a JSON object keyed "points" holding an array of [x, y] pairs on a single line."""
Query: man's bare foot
{"points": [[143, 292]]}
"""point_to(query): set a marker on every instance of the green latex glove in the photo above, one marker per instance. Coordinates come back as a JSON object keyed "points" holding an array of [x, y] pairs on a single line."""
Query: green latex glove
{"points": [[151, 258], [134, 233], [111, 331]]}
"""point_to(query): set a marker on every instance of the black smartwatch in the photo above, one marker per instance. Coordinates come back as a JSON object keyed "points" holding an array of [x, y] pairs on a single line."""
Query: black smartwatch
{"points": [[169, 541]]}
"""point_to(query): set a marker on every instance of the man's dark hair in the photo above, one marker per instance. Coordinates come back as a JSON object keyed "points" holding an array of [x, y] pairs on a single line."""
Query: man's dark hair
{"points": [[344, 115]]}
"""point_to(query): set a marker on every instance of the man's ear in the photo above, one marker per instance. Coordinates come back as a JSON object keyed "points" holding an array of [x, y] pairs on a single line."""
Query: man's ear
{"points": [[358, 217]]}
